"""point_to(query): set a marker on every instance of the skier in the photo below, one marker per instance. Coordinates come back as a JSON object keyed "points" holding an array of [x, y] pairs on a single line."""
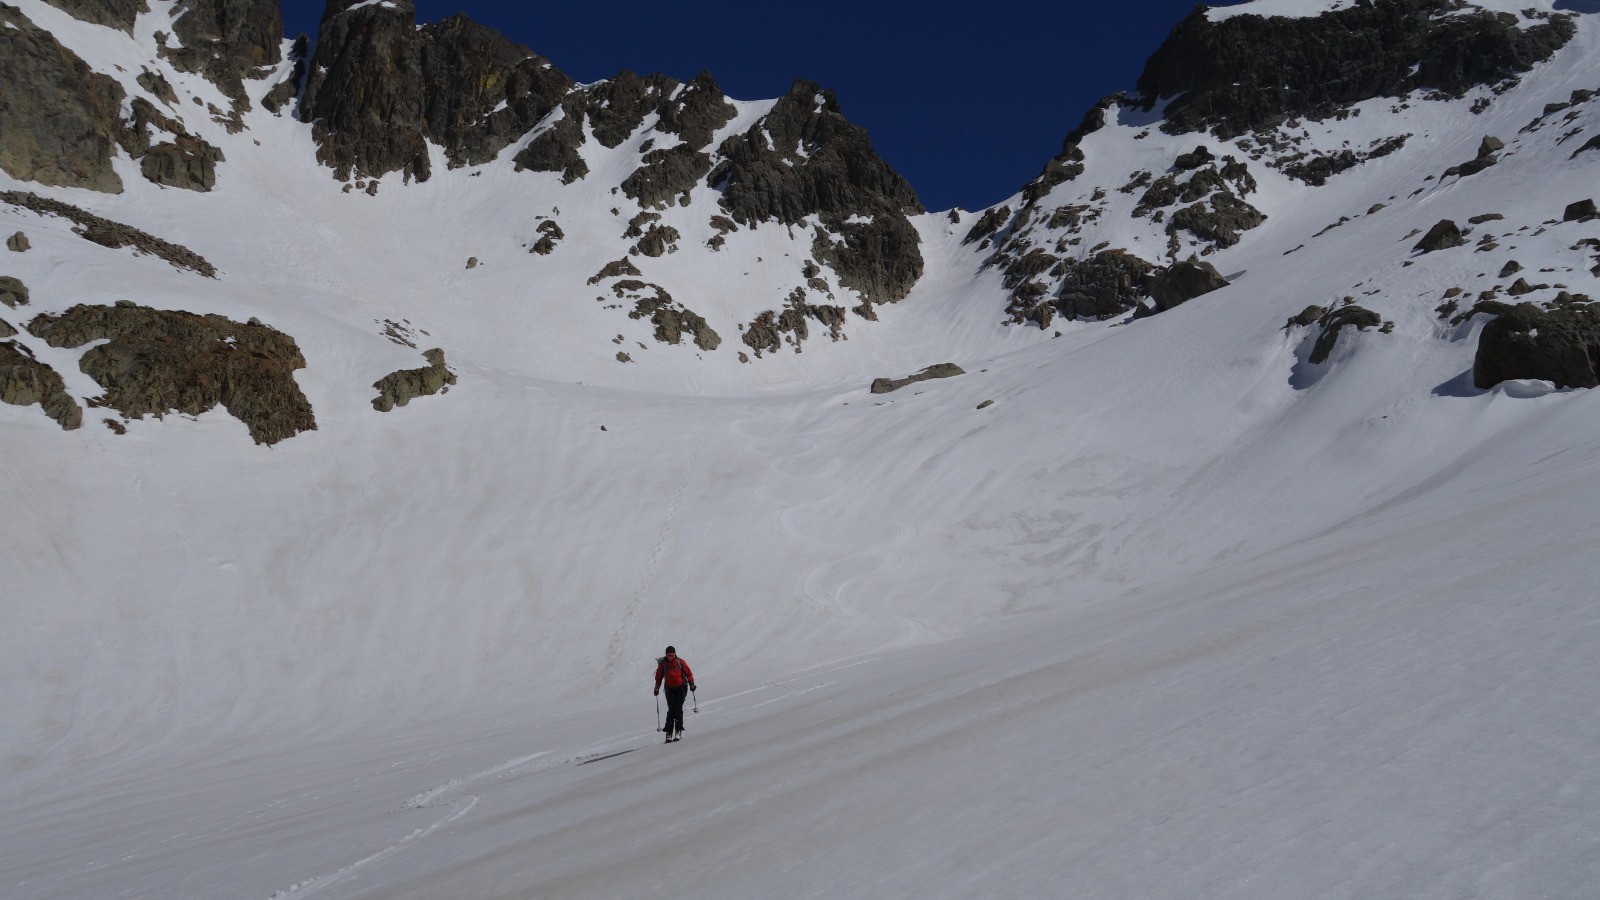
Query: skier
{"points": [[680, 681]]}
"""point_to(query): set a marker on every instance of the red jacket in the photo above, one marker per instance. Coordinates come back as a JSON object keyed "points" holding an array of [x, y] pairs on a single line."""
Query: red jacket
{"points": [[674, 672]]}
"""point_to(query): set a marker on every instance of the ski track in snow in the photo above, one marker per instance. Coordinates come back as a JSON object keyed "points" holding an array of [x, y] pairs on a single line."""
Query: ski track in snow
{"points": [[543, 761]]}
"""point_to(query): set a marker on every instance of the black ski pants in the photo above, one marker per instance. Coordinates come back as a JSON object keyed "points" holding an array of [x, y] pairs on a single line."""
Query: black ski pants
{"points": [[675, 698]]}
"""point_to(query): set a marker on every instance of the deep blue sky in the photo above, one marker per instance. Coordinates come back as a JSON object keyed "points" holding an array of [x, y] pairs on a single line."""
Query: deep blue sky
{"points": [[967, 101]]}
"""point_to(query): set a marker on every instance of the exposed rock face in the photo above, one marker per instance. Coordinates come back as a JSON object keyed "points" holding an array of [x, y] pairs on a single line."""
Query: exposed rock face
{"points": [[657, 241], [1442, 236], [380, 87], [1316, 168], [941, 370], [1248, 72], [25, 381], [59, 121], [555, 149], [112, 234], [118, 14], [161, 361], [364, 93], [1068, 164], [401, 387], [1561, 345], [18, 243], [667, 175], [482, 91], [805, 158], [696, 112], [617, 107], [284, 91], [1103, 286], [227, 41], [1581, 211]]}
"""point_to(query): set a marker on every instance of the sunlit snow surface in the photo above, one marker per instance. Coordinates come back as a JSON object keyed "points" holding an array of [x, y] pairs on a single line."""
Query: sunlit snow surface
{"points": [[1179, 615]]}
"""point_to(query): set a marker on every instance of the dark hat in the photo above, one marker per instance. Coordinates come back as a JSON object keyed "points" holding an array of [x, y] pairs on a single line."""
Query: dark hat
{"points": [[672, 650]]}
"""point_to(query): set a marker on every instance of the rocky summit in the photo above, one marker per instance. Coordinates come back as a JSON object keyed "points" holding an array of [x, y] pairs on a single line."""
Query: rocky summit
{"points": [[643, 201]]}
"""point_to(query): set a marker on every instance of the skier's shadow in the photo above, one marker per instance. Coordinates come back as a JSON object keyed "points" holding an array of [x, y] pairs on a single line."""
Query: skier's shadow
{"points": [[607, 756]]}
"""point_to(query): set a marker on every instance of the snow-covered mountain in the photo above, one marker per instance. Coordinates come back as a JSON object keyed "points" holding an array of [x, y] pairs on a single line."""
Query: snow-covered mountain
{"points": [[1209, 518]]}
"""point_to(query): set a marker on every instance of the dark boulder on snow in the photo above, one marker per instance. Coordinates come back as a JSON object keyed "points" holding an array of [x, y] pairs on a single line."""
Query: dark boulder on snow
{"points": [[941, 370], [1335, 321], [185, 162], [1442, 236], [1560, 345], [1248, 72], [18, 243], [551, 234], [1311, 315], [13, 293], [158, 361], [60, 121], [401, 387], [25, 381], [1487, 156], [1581, 211], [1181, 282]]}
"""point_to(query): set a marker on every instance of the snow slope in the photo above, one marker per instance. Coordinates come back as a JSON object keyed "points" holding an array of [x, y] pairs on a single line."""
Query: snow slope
{"points": [[1179, 614]]}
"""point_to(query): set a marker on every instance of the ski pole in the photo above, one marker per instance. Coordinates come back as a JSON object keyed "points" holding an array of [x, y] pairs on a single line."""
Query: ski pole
{"points": [[696, 699], [658, 712]]}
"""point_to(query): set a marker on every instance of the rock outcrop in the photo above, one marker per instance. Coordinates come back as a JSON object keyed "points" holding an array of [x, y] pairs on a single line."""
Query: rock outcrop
{"points": [[227, 42], [60, 121], [804, 158], [118, 14], [1442, 236], [1336, 320], [18, 243], [158, 361], [380, 88], [1180, 283], [672, 320], [941, 370], [112, 234], [1249, 72], [25, 381], [401, 387], [13, 292], [186, 162]]}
